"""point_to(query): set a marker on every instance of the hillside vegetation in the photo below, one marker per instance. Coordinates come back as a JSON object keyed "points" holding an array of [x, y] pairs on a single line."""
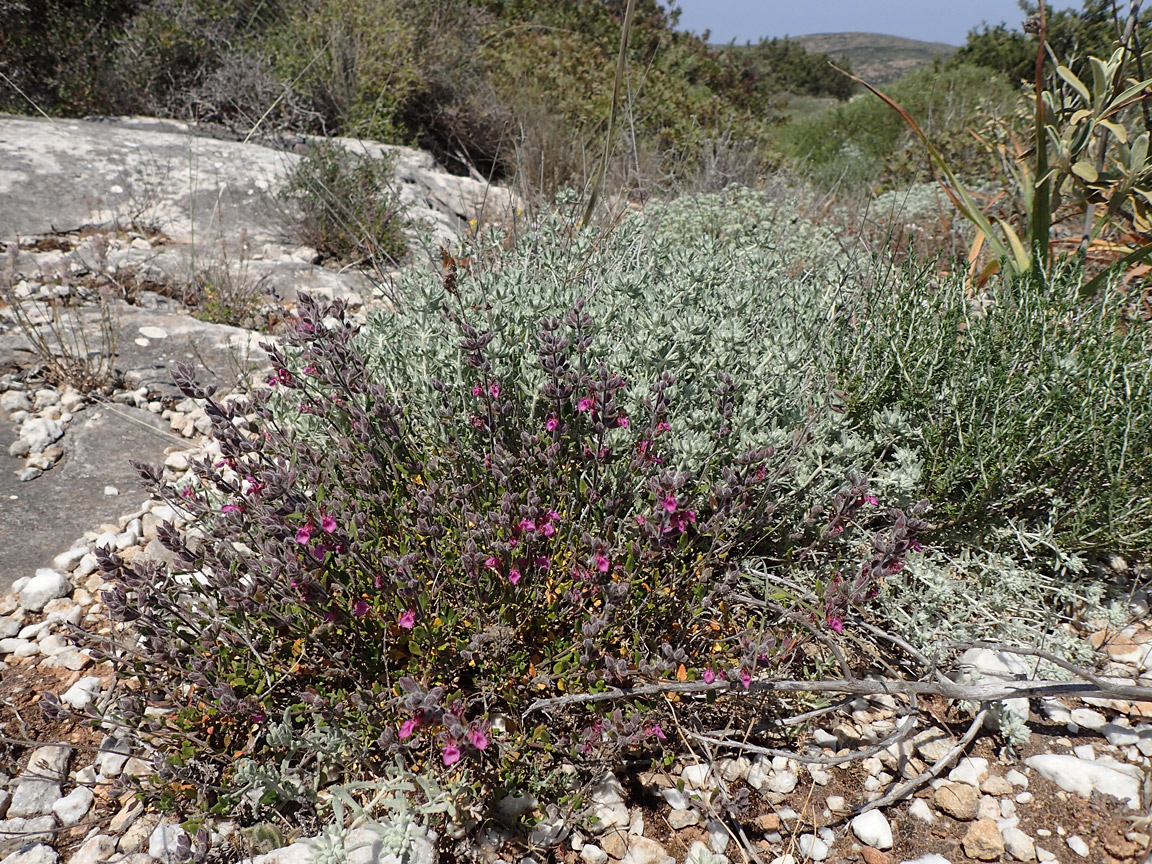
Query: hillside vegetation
{"points": [[694, 424]]}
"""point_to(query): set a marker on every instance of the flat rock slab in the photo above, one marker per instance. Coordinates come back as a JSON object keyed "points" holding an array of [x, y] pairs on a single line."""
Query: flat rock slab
{"points": [[58, 175], [150, 342], [42, 518]]}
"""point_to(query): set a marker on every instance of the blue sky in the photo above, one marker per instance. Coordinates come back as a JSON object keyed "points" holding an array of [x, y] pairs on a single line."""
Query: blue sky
{"points": [[930, 20]]}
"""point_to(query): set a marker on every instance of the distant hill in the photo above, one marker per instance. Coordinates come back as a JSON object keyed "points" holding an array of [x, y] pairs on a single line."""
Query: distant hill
{"points": [[875, 57]]}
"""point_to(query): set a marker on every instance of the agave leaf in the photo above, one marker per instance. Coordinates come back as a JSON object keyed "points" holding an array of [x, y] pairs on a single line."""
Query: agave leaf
{"points": [[953, 188], [1076, 84], [1092, 286], [1023, 259]]}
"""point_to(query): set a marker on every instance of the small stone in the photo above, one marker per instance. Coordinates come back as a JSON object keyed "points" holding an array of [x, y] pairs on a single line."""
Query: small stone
{"points": [[641, 850], [96, 849], [111, 491], [819, 776], [1082, 776], [676, 799], [1018, 844], [988, 808], [983, 841], [46, 585], [970, 770], [872, 829], [695, 776], [874, 856], [782, 782], [1087, 718], [37, 853], [1017, 779], [125, 817], [74, 806], [177, 461], [769, 822], [1024, 798], [25, 475], [593, 854], [114, 753], [679, 819], [81, 694], [15, 400], [812, 847], [1076, 844], [934, 744], [996, 785], [920, 810], [931, 858], [66, 562], [40, 433], [958, 800], [19, 647], [1043, 854], [718, 836]]}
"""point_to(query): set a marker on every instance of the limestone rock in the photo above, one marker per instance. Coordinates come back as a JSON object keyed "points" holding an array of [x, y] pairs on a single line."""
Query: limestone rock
{"points": [[983, 841], [958, 800]]}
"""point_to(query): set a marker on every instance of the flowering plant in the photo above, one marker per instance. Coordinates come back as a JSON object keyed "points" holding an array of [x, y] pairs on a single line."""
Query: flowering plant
{"points": [[420, 574]]}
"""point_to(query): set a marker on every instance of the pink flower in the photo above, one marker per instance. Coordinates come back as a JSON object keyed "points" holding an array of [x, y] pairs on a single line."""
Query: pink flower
{"points": [[514, 576], [657, 731], [551, 423], [915, 545], [328, 524], [360, 609], [450, 754], [319, 552], [837, 624], [477, 390], [408, 620], [709, 676], [584, 404], [527, 525], [543, 563], [407, 728], [670, 503], [478, 738], [663, 427], [304, 534], [622, 422], [310, 370], [491, 563], [547, 530], [494, 389], [602, 563], [745, 677], [227, 508], [872, 499]]}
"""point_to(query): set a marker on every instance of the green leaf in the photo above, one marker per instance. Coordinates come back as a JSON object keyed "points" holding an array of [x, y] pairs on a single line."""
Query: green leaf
{"points": [[1086, 171], [1118, 131], [1076, 84]]}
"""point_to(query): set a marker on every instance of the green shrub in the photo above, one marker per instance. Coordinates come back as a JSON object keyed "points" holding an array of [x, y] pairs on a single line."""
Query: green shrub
{"points": [[477, 502], [866, 143], [1032, 408], [344, 205]]}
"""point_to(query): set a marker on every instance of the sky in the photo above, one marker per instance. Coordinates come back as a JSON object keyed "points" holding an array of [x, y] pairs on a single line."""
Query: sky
{"points": [[929, 20]]}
